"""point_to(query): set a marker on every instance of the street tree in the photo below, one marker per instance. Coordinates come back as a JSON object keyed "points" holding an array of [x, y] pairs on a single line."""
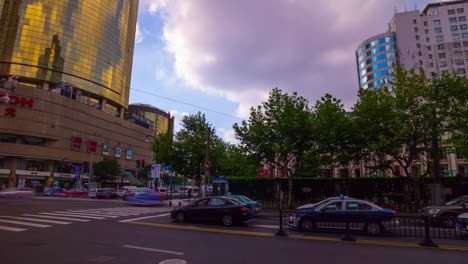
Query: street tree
{"points": [[278, 132], [106, 170], [335, 135]]}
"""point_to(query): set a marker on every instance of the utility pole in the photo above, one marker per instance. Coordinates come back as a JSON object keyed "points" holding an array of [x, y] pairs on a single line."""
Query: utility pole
{"points": [[207, 161]]}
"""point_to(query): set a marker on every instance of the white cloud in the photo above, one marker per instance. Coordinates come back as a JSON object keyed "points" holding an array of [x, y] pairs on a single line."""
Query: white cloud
{"points": [[161, 74], [138, 35], [242, 49], [178, 119], [153, 6], [228, 135]]}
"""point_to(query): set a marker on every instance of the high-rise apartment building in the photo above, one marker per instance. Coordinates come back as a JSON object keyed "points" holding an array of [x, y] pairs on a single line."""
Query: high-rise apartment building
{"points": [[74, 62], [435, 39]]}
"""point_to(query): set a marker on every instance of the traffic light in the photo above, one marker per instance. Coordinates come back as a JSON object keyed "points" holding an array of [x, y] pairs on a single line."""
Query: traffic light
{"points": [[198, 181], [138, 163], [142, 163]]}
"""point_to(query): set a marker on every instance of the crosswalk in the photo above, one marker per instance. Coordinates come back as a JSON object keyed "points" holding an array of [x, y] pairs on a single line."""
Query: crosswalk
{"points": [[27, 221]]}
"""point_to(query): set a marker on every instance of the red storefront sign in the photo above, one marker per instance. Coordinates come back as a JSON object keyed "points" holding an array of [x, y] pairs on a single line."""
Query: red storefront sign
{"points": [[92, 146], [16, 100], [76, 143]]}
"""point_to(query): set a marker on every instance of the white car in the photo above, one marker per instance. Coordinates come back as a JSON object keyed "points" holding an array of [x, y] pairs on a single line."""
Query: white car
{"points": [[16, 192]]}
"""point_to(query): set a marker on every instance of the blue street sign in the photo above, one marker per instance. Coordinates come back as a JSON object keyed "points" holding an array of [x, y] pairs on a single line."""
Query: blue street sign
{"points": [[77, 169], [219, 179], [167, 167]]}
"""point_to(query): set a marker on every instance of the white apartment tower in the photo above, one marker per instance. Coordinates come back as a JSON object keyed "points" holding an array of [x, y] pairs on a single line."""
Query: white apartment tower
{"points": [[436, 39]]}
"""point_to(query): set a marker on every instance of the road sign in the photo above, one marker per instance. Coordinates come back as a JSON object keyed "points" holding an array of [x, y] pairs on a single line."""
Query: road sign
{"points": [[155, 171]]}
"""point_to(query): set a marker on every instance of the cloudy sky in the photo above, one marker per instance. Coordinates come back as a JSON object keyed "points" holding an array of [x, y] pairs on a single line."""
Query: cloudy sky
{"points": [[221, 57]]}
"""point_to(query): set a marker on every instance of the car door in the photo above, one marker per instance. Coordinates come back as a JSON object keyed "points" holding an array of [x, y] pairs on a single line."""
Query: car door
{"points": [[216, 209], [359, 211], [330, 215], [197, 211]]}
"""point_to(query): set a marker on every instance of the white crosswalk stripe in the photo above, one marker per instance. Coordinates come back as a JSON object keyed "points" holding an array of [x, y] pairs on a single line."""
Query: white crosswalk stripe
{"points": [[24, 222], [57, 217], [38, 220]]}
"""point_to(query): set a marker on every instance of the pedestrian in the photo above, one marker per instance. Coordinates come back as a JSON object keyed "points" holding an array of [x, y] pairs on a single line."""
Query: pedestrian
{"points": [[189, 193]]}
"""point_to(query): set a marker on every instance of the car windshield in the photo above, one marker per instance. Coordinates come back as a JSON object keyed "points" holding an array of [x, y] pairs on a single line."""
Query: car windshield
{"points": [[246, 198], [457, 200]]}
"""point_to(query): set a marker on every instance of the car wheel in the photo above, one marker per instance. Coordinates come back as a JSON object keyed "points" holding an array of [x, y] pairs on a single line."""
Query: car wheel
{"points": [[448, 220], [306, 224], [180, 217], [374, 228], [228, 220]]}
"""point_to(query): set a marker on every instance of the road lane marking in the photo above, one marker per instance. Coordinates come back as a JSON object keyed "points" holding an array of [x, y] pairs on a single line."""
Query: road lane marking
{"points": [[316, 238], [206, 229], [80, 216], [23, 223], [38, 220], [155, 250], [57, 217], [14, 229], [141, 218]]}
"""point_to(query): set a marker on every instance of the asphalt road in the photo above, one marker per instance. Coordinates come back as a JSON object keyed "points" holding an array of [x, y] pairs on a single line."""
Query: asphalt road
{"points": [[117, 233]]}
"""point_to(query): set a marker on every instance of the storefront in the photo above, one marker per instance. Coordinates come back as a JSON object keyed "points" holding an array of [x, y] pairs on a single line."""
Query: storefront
{"points": [[4, 178], [32, 179]]}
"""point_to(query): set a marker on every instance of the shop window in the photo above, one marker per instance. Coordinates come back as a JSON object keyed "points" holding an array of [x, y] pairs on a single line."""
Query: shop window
{"points": [[33, 165]]}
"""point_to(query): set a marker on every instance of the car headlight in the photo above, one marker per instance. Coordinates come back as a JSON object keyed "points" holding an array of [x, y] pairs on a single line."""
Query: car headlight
{"points": [[433, 211]]}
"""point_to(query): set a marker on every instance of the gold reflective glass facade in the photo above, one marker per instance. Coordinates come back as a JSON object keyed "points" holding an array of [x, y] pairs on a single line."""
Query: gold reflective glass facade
{"points": [[88, 43]]}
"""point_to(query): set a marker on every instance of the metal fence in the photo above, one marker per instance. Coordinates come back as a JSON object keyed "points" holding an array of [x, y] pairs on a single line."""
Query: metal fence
{"points": [[353, 226]]}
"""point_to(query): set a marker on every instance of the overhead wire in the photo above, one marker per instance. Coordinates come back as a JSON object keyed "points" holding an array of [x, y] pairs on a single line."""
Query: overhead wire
{"points": [[185, 103]]}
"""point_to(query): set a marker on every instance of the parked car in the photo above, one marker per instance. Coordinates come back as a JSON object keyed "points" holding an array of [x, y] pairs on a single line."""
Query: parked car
{"points": [[213, 209], [461, 223], [311, 205], [256, 206], [446, 214], [16, 193], [335, 212], [106, 193], [51, 192], [76, 192]]}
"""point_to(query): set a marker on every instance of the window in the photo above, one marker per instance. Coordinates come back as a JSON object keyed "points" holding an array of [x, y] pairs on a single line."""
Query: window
{"points": [[465, 44], [438, 30], [357, 206], [436, 22], [455, 36], [418, 45], [431, 65], [451, 11], [203, 202], [461, 71], [439, 38], [8, 138], [440, 47], [333, 206], [429, 48], [442, 56], [463, 27], [425, 23], [465, 35], [453, 20], [430, 56], [426, 31], [443, 64], [460, 10], [29, 140], [414, 22], [459, 62], [453, 28], [216, 202], [417, 37], [428, 40], [461, 19], [456, 45], [415, 29]]}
